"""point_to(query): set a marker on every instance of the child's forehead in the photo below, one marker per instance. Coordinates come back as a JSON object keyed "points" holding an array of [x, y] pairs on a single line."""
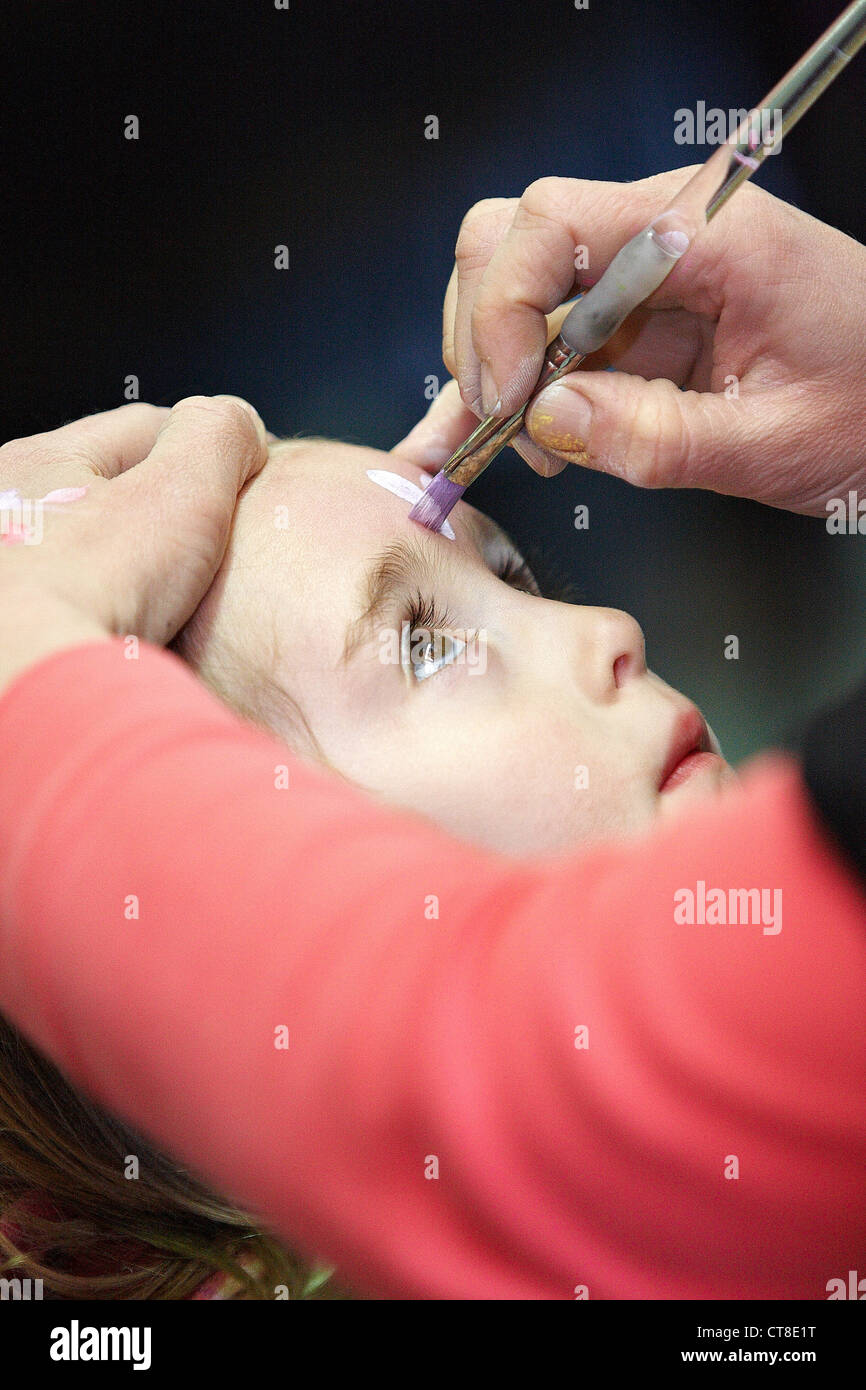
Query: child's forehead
{"points": [[329, 463], [326, 490]]}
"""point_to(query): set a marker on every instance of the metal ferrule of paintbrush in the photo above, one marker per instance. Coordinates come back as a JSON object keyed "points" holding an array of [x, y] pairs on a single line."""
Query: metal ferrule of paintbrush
{"points": [[492, 435]]}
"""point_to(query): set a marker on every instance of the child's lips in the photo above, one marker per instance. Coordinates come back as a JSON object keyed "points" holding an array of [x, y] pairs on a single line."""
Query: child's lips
{"points": [[690, 751], [688, 766]]}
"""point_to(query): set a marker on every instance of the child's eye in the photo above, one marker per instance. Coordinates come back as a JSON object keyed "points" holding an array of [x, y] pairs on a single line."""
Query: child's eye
{"points": [[430, 651], [428, 639], [427, 644], [512, 569]]}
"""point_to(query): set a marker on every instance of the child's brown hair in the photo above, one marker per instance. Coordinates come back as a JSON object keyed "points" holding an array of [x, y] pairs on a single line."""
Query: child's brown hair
{"points": [[71, 1217]]}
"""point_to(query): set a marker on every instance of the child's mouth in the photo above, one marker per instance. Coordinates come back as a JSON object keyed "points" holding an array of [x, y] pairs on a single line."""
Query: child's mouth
{"points": [[687, 767], [690, 751]]}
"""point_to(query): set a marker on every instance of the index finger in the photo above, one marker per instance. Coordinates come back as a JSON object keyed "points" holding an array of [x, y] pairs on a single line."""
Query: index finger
{"points": [[102, 445], [536, 266], [480, 233], [107, 443]]}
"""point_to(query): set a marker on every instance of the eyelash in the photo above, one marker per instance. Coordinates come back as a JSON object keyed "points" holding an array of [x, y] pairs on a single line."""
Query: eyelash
{"points": [[515, 571], [423, 613]]}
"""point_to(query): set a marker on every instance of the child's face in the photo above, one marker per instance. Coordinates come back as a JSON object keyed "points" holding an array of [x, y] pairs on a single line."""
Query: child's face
{"points": [[546, 728]]}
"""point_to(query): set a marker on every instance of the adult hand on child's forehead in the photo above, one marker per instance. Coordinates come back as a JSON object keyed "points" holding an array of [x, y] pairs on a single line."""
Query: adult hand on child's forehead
{"points": [[117, 523]]}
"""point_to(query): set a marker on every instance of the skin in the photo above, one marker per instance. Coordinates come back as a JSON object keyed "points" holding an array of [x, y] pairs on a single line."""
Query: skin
{"points": [[489, 754], [766, 297], [759, 323], [140, 544]]}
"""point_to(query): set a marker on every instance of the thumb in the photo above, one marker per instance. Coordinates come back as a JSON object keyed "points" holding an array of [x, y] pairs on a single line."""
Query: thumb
{"points": [[181, 501], [650, 433]]}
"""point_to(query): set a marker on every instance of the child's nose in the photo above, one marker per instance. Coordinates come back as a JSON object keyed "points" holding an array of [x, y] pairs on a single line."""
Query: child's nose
{"points": [[619, 649]]}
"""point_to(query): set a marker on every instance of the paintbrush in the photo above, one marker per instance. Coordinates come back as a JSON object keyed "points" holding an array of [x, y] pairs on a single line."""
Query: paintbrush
{"points": [[643, 263]]}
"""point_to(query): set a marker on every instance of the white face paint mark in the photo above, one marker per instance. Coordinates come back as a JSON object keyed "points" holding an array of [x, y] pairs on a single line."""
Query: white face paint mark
{"points": [[65, 494], [401, 487], [60, 494]]}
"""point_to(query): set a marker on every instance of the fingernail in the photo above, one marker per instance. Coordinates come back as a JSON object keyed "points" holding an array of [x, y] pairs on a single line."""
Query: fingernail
{"points": [[674, 242], [672, 231], [491, 401], [560, 419], [546, 465]]}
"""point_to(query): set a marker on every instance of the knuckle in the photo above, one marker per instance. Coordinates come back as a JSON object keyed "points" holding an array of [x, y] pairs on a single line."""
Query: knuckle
{"points": [[548, 199], [203, 405], [227, 416], [143, 411], [781, 225], [470, 252], [752, 205], [85, 451], [13, 451], [236, 417], [481, 212], [539, 193], [787, 228], [472, 242], [195, 406], [668, 179], [657, 443], [27, 453]]}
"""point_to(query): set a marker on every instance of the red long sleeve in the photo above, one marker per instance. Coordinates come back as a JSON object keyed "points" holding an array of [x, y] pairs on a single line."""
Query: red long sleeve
{"points": [[415, 1037]]}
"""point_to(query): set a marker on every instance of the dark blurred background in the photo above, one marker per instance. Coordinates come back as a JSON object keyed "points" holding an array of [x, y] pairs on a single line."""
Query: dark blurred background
{"points": [[305, 127]]}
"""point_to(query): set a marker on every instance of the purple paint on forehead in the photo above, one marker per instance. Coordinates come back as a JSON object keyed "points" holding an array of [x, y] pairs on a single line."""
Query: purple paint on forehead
{"points": [[409, 492]]}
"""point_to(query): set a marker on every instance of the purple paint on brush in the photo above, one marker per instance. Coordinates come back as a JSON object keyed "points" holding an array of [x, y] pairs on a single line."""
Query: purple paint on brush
{"points": [[439, 497]]}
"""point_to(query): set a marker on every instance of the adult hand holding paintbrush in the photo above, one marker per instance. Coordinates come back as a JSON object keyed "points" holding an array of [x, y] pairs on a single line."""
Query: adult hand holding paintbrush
{"points": [[755, 316], [760, 325]]}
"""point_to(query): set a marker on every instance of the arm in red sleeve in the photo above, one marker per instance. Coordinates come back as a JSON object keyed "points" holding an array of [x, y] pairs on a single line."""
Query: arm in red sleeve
{"points": [[168, 905]]}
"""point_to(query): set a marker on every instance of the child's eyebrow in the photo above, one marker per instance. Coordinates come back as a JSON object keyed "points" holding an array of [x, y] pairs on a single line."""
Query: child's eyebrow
{"points": [[401, 566]]}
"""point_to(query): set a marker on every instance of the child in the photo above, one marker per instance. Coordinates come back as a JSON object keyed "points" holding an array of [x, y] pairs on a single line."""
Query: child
{"points": [[431, 671], [427, 669]]}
